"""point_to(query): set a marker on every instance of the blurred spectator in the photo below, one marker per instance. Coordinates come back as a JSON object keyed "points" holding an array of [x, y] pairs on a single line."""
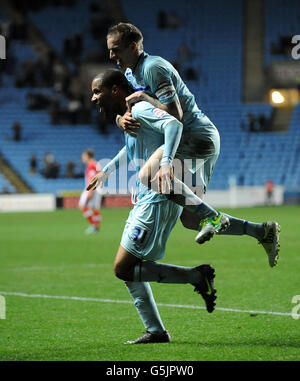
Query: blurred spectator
{"points": [[253, 123], [51, 167], [48, 159], [70, 169], [17, 131], [269, 192], [33, 164], [162, 19], [263, 122]]}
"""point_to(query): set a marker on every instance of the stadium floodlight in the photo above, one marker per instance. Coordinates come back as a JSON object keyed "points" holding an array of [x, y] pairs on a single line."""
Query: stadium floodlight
{"points": [[284, 97], [277, 97]]}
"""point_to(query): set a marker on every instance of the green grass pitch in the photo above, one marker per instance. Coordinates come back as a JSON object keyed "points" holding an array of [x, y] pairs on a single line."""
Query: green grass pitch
{"points": [[48, 254]]}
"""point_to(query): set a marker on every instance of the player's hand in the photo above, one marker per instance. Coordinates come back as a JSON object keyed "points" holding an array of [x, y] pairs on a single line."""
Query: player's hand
{"points": [[164, 177], [128, 124], [98, 180], [133, 98]]}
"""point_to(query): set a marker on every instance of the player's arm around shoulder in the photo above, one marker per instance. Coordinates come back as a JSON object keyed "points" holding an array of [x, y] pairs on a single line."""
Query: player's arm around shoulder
{"points": [[172, 108]]}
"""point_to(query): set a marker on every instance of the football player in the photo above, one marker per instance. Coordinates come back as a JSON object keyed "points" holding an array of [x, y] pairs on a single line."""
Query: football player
{"points": [[90, 202], [157, 82], [153, 216]]}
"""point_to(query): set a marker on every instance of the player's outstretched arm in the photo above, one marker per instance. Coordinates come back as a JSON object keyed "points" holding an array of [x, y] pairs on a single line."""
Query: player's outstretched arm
{"points": [[100, 178], [97, 181]]}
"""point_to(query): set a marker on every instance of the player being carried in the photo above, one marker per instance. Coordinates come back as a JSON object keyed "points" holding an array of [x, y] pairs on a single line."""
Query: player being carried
{"points": [[157, 82], [153, 216], [90, 202]]}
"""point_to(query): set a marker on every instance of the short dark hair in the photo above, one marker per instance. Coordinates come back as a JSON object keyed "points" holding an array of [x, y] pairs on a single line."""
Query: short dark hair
{"points": [[112, 77], [129, 33], [89, 152]]}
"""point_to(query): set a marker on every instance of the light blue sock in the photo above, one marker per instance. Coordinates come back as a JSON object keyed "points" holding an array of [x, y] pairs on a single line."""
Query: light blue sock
{"points": [[148, 271], [145, 304], [240, 227]]}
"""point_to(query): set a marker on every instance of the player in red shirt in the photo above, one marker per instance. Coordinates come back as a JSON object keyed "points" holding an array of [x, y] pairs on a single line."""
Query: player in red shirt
{"points": [[90, 202]]}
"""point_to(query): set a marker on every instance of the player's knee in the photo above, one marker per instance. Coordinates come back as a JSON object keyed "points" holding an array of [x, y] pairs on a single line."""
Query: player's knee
{"points": [[190, 221], [120, 271]]}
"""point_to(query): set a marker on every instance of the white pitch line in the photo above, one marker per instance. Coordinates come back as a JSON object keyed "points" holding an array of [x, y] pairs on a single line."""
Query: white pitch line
{"points": [[87, 299], [46, 268]]}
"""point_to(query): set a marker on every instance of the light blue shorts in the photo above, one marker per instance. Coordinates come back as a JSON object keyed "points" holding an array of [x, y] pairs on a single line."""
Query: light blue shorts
{"points": [[199, 151], [148, 228]]}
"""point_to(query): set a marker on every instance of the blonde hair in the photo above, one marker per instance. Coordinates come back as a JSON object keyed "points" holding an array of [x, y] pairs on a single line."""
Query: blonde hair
{"points": [[129, 33]]}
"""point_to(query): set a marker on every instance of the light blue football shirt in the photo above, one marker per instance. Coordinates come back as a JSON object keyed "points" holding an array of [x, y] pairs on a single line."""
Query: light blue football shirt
{"points": [[150, 136], [157, 77]]}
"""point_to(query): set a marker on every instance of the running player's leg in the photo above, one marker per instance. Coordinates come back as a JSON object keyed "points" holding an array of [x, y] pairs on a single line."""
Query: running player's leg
{"points": [[141, 294], [95, 204], [96, 219], [87, 212], [142, 239], [93, 212]]}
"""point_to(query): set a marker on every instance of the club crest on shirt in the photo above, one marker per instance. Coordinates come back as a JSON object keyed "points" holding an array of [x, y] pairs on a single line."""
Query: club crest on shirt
{"points": [[131, 78], [158, 112]]}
